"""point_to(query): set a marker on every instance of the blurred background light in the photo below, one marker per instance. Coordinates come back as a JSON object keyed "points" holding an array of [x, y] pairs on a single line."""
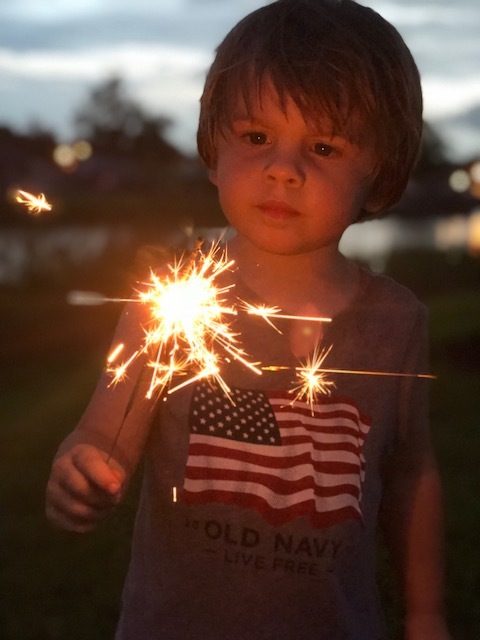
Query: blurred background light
{"points": [[459, 180]]}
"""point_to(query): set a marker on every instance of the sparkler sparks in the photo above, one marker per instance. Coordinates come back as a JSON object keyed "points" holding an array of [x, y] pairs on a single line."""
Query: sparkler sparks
{"points": [[115, 353], [188, 337], [34, 204], [267, 313], [187, 333], [313, 380]]}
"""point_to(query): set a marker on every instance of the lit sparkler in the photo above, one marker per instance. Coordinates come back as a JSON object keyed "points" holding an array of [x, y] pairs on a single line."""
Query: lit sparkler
{"points": [[35, 204], [188, 333], [313, 377], [313, 380]]}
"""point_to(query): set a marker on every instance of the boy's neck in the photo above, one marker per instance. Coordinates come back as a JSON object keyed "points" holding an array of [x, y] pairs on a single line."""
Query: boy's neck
{"points": [[319, 282]]}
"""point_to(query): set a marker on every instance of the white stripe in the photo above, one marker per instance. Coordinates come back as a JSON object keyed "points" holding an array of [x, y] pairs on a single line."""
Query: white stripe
{"points": [[319, 409], [279, 451], [324, 423], [327, 438], [291, 474], [274, 500]]}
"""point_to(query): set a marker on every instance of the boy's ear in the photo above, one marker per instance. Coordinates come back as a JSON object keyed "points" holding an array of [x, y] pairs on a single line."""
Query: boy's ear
{"points": [[373, 203], [212, 176], [372, 206]]}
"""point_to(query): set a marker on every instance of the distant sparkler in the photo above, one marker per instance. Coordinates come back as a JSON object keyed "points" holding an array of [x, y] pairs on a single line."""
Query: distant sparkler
{"points": [[35, 204]]}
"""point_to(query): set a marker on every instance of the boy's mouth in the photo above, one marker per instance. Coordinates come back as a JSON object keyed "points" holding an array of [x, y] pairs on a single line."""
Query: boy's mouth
{"points": [[277, 210]]}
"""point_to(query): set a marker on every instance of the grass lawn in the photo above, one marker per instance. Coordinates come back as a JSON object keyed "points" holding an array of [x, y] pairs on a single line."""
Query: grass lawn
{"points": [[52, 585], [456, 429], [60, 586]]}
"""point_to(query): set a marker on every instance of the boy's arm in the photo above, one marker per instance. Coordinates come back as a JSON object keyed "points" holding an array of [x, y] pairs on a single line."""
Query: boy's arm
{"points": [[412, 512], [118, 417], [413, 526], [94, 463]]}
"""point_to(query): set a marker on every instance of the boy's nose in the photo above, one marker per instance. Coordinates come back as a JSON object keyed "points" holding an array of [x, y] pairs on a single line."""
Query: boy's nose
{"points": [[284, 168]]}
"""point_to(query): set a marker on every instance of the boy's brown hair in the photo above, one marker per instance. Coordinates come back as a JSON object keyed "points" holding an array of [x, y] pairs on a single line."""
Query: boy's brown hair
{"points": [[338, 61]]}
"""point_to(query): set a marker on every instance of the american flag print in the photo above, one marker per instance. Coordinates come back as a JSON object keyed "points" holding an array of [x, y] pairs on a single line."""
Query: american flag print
{"points": [[277, 457]]}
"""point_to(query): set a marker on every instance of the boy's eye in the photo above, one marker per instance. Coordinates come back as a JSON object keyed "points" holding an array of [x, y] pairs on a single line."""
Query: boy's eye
{"points": [[323, 149], [256, 137]]}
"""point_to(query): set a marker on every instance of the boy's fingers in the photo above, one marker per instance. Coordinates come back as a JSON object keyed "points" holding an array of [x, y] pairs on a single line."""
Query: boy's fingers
{"points": [[74, 519], [78, 488], [91, 464], [83, 489]]}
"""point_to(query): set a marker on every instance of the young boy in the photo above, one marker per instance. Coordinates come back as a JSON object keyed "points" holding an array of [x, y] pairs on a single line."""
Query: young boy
{"points": [[258, 517]]}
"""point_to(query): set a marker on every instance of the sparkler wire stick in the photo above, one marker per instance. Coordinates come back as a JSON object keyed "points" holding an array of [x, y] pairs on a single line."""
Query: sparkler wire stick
{"points": [[359, 372], [128, 408], [392, 374]]}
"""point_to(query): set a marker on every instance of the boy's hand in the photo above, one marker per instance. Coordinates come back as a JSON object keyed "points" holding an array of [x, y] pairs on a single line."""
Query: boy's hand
{"points": [[83, 488]]}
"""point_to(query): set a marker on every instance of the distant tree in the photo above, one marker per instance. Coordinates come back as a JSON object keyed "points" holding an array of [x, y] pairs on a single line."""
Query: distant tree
{"points": [[115, 123], [37, 142]]}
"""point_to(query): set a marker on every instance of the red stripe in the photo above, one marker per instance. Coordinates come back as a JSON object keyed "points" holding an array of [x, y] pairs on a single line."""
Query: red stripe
{"points": [[280, 462], [324, 416], [288, 449], [349, 407], [277, 516], [322, 446], [318, 429], [279, 485]]}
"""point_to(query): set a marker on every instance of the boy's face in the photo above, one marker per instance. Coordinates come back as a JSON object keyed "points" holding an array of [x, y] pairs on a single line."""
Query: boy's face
{"points": [[285, 185]]}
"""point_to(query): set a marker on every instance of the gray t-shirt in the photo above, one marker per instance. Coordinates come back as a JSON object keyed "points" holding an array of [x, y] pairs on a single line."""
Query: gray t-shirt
{"points": [[258, 515]]}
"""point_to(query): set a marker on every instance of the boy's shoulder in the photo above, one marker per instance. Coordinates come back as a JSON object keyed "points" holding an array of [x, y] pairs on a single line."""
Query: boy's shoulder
{"points": [[387, 316], [387, 297], [384, 287]]}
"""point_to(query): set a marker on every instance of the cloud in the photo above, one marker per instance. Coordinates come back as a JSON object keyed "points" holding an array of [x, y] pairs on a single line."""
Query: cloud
{"points": [[414, 14], [463, 93], [141, 61], [52, 53], [119, 23]]}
